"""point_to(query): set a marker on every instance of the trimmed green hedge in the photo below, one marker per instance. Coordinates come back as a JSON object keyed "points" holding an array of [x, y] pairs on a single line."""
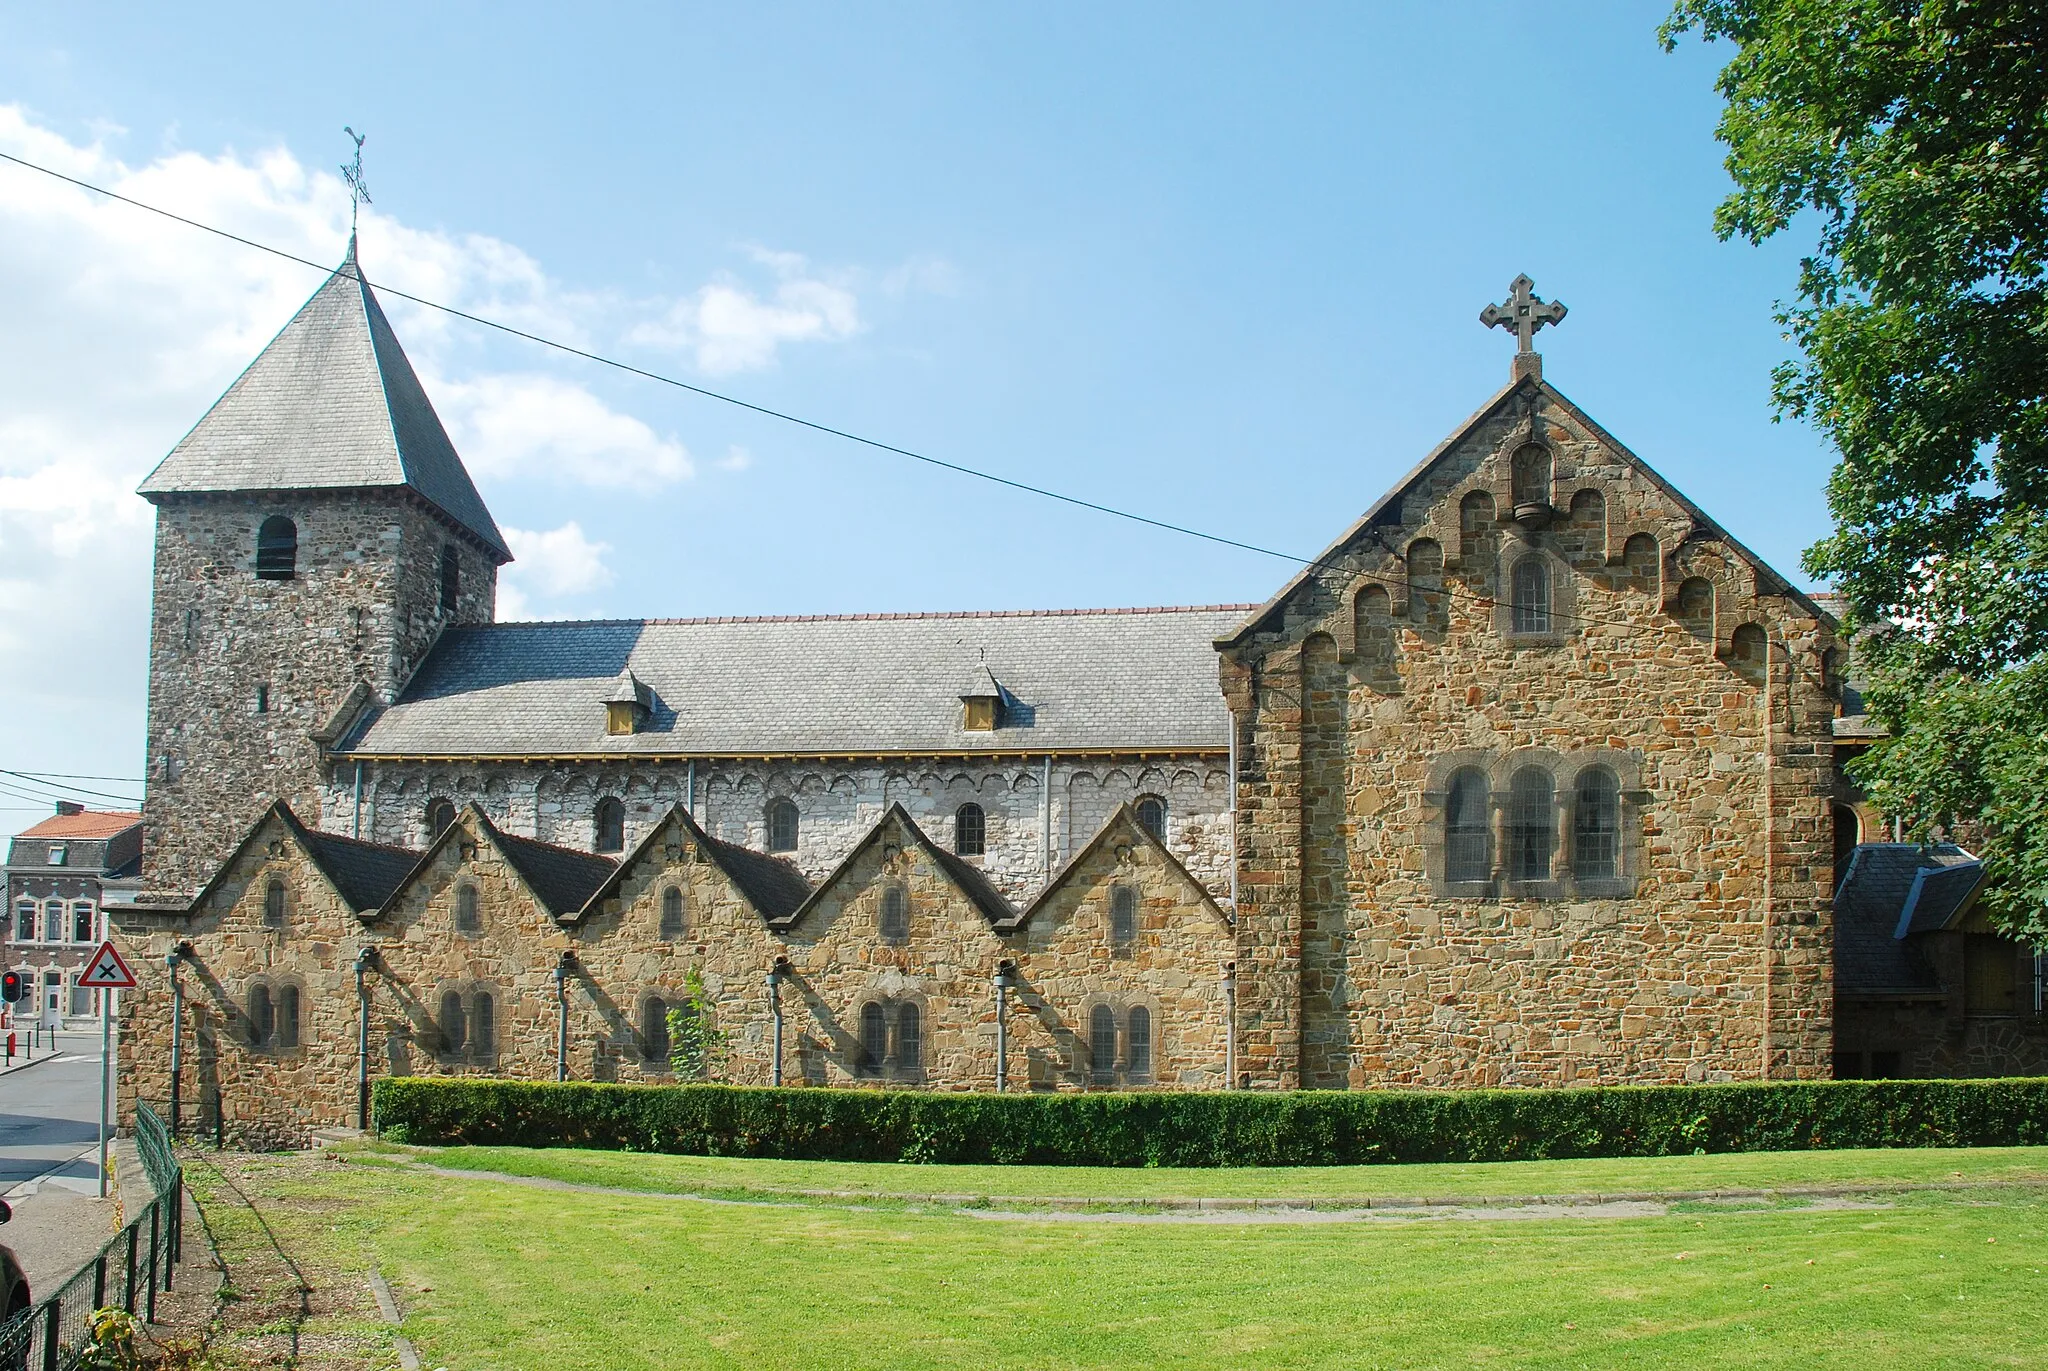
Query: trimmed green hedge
{"points": [[1238, 1128]]}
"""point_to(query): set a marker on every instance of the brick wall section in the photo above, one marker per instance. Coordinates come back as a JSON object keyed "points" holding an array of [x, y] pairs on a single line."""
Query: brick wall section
{"points": [[364, 606], [1358, 968]]}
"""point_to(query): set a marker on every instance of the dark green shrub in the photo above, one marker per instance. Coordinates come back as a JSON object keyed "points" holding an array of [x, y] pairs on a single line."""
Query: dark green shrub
{"points": [[1238, 1128]]}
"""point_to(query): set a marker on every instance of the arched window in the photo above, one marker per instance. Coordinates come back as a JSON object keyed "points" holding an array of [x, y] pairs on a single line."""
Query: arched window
{"points": [[287, 1018], [611, 825], [262, 1016], [654, 1028], [451, 578], [1152, 816], [1475, 520], [1596, 826], [1589, 511], [1123, 915], [782, 826], [273, 904], [1531, 597], [1750, 653], [1531, 474], [452, 1024], [1696, 606], [467, 917], [1532, 825], [483, 1026], [1425, 581], [874, 1037], [909, 1039], [440, 817], [970, 830], [1102, 1045], [1138, 1056], [1640, 555], [1468, 835], [672, 913], [894, 925], [277, 549]]}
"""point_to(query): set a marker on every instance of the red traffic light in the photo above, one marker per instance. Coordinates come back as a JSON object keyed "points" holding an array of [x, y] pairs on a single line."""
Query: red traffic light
{"points": [[11, 986]]}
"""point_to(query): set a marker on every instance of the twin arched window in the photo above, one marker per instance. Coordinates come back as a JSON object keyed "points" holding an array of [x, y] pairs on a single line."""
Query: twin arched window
{"points": [[782, 825], [273, 1017], [277, 549], [907, 1058], [610, 825], [970, 830], [468, 1026], [1531, 828], [1103, 1063]]}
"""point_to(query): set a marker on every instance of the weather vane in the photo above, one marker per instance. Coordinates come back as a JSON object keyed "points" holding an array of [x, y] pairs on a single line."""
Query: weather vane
{"points": [[352, 172]]}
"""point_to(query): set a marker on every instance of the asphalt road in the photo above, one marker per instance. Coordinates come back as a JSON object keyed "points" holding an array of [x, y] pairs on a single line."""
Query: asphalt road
{"points": [[49, 1117]]}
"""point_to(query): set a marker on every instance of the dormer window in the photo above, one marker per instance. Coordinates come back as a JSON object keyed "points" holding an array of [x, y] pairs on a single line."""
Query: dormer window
{"points": [[627, 707], [982, 702], [59, 854]]}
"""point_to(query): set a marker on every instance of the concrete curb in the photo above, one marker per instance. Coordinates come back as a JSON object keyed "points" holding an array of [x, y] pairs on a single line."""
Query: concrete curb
{"points": [[387, 1305]]}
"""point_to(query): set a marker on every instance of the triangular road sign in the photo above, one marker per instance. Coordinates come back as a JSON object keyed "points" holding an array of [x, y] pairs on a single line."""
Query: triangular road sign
{"points": [[106, 970]]}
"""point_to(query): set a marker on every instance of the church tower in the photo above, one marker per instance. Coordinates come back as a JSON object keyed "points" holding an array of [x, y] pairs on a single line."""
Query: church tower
{"points": [[315, 533]]}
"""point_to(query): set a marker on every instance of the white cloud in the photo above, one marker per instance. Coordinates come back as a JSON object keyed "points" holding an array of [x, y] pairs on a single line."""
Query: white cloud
{"points": [[550, 563], [530, 424], [736, 458], [728, 327]]}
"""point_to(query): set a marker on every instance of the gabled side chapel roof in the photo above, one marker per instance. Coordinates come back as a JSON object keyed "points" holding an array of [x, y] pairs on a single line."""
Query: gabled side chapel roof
{"points": [[331, 403], [1387, 509], [774, 887], [363, 874], [978, 889]]}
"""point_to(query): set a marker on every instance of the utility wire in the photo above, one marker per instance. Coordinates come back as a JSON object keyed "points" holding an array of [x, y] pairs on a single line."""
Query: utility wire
{"points": [[1307, 563], [60, 791], [73, 776]]}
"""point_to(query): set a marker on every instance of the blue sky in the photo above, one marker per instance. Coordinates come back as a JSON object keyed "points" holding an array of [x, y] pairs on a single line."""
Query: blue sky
{"points": [[1221, 265]]}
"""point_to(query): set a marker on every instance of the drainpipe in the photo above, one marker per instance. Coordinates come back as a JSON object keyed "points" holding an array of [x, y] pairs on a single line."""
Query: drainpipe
{"points": [[1770, 840], [775, 975], [1230, 1025], [171, 961], [690, 794], [1004, 971], [1045, 818], [359, 802], [365, 959], [562, 970], [1233, 812]]}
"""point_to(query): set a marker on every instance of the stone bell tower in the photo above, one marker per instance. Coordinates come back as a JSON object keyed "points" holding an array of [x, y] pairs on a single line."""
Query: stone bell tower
{"points": [[315, 533]]}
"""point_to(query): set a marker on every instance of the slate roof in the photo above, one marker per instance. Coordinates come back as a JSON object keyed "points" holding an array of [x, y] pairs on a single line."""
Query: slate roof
{"points": [[772, 885], [1105, 680], [331, 403], [964, 874], [563, 878], [1889, 891], [365, 873]]}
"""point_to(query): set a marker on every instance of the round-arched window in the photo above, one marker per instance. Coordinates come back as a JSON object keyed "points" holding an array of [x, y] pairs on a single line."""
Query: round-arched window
{"points": [[1102, 1044], [1596, 825], [782, 825], [440, 816], [1468, 838], [1152, 816], [611, 825], [970, 830], [672, 913], [1123, 915], [1532, 826], [467, 917], [895, 920], [277, 549]]}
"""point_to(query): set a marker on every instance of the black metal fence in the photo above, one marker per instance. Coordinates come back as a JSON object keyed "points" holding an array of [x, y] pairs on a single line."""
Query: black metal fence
{"points": [[129, 1272]]}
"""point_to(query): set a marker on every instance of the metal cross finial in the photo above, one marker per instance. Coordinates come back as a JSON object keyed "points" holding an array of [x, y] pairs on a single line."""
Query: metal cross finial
{"points": [[1524, 312], [352, 172]]}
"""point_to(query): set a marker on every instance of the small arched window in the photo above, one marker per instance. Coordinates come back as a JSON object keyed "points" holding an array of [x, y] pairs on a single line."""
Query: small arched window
{"points": [[467, 917], [874, 1037], [452, 1023], [262, 1016], [1696, 606], [1425, 581], [1102, 1045], [1152, 816], [672, 913], [1468, 837], [894, 925], [611, 825], [1589, 511], [277, 549], [483, 1026], [273, 904], [1641, 556], [654, 1029], [1532, 825], [1475, 521], [440, 817], [1596, 825], [909, 1039], [1531, 597], [782, 825], [1750, 653], [1123, 915], [451, 578], [287, 1018], [1138, 1055], [1848, 833], [970, 830], [1531, 474]]}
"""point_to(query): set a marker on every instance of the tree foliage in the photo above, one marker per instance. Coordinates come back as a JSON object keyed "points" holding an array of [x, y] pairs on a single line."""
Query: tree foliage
{"points": [[1914, 138], [696, 1043]]}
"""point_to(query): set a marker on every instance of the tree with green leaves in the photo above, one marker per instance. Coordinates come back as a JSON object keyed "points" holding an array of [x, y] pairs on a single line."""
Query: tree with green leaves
{"points": [[696, 1043], [1913, 137]]}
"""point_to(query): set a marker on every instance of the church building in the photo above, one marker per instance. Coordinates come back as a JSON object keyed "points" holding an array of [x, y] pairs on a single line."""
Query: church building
{"points": [[1529, 780]]}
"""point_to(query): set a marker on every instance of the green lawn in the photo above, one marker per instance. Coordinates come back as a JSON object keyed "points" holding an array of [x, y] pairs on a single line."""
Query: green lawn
{"points": [[495, 1275], [739, 1176]]}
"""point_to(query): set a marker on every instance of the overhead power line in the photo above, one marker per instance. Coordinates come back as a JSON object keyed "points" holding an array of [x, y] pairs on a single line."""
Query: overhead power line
{"points": [[64, 791], [73, 776], [1307, 563]]}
